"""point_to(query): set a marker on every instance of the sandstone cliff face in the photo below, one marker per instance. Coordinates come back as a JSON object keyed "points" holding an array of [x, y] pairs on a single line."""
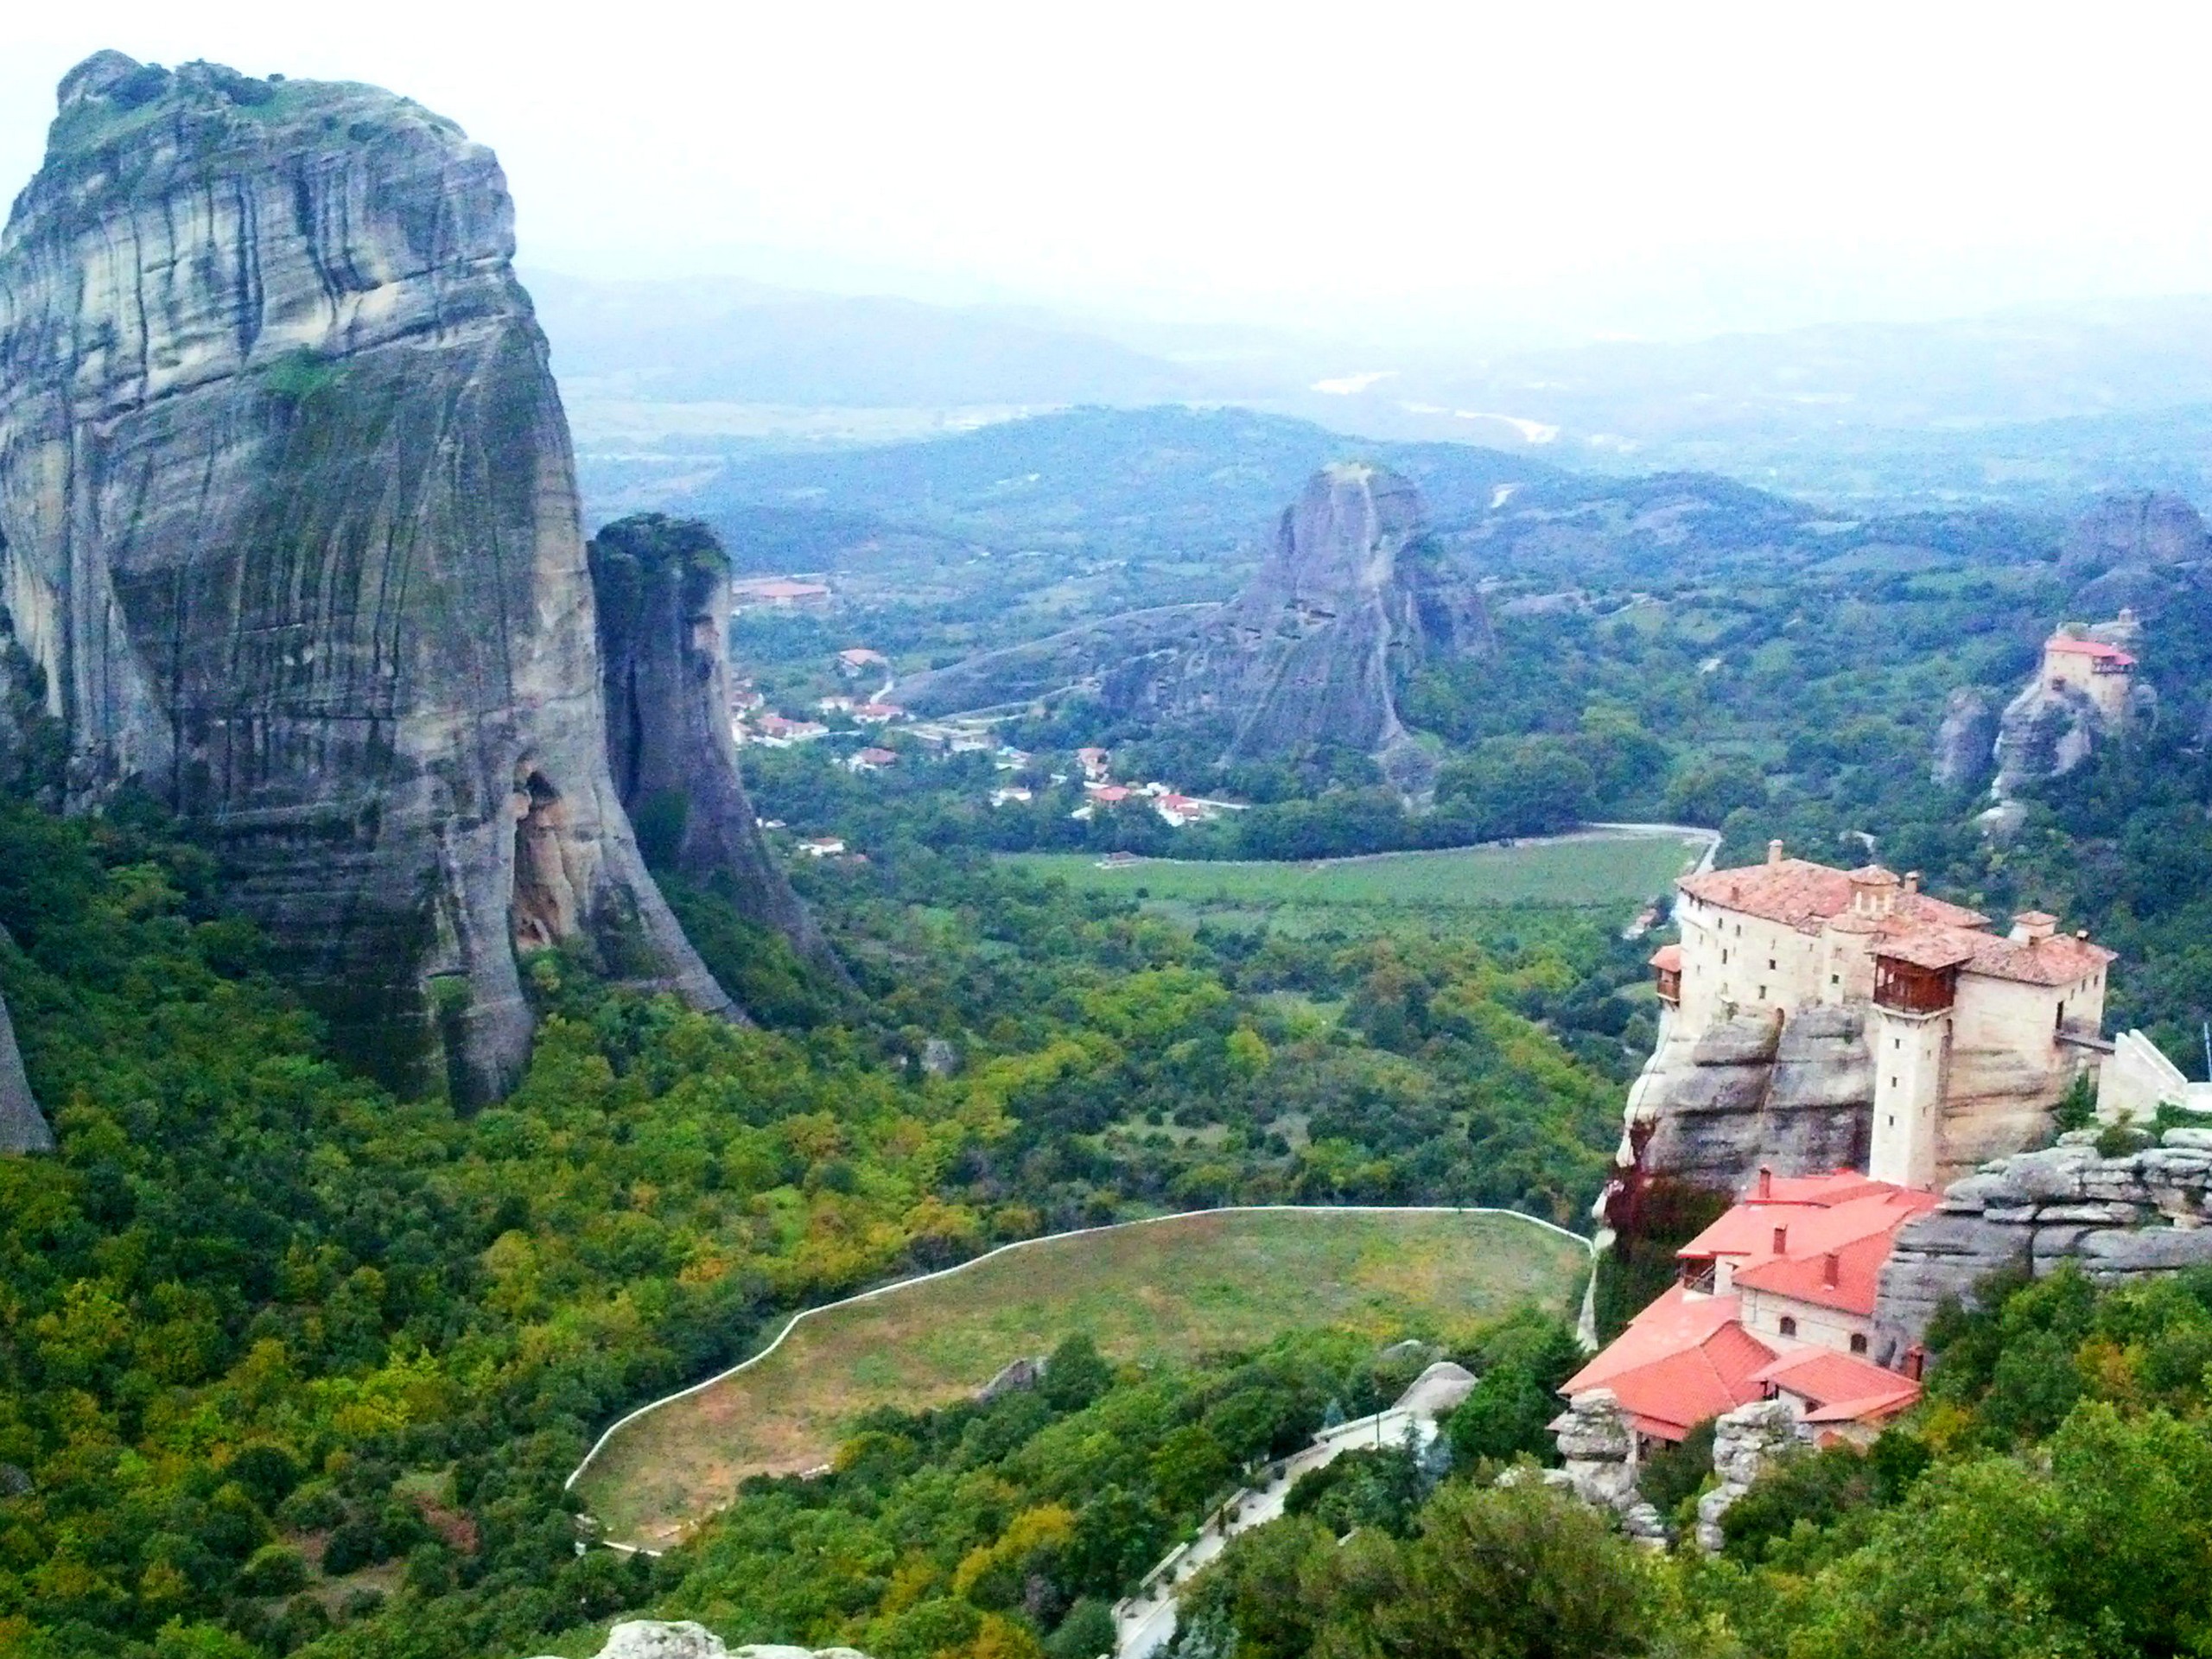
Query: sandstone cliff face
{"points": [[1967, 739], [2116, 1218], [291, 528], [23, 1126], [1797, 1095], [661, 588], [1351, 597]]}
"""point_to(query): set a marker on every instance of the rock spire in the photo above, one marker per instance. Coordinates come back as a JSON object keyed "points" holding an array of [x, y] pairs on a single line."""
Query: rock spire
{"points": [[291, 526]]}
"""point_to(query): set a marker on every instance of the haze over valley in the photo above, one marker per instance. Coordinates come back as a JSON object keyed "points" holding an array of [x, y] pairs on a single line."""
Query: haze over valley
{"points": [[1180, 833]]}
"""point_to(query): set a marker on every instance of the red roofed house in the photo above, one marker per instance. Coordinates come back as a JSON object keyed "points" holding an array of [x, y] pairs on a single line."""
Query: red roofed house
{"points": [[1974, 1036], [1777, 1299], [2098, 671]]}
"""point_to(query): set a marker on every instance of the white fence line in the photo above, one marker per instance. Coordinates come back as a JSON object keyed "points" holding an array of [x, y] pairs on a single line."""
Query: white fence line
{"points": [[792, 1324]]}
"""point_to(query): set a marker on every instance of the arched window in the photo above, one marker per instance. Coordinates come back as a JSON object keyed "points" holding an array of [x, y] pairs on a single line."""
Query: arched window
{"points": [[1789, 1326], [1858, 1343]]}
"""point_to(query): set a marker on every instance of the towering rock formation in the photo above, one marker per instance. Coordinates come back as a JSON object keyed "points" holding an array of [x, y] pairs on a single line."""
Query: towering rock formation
{"points": [[662, 585], [2141, 549], [2083, 693], [291, 527], [1965, 741], [1353, 594], [23, 1126]]}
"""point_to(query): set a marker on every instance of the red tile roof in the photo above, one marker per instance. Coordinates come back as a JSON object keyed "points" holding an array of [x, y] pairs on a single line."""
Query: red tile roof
{"points": [[1839, 1387], [1683, 1359], [2096, 648], [1847, 1216], [1668, 959], [1803, 894]]}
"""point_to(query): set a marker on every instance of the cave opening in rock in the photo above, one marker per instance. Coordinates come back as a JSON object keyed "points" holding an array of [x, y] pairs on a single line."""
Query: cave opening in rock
{"points": [[543, 908]]}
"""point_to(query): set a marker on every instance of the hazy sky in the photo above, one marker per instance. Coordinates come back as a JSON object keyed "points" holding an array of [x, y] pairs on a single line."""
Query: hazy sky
{"points": [[1464, 166]]}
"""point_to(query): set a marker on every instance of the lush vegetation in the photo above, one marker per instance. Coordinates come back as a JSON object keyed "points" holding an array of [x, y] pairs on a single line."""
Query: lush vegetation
{"points": [[285, 1360], [2050, 1499]]}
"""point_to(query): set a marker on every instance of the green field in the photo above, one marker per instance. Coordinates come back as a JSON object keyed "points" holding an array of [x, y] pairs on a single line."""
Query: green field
{"points": [[1156, 1290], [1583, 870]]}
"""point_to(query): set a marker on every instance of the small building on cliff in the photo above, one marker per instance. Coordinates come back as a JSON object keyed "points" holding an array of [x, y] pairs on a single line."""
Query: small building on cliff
{"points": [[1776, 1301], [1815, 1018]]}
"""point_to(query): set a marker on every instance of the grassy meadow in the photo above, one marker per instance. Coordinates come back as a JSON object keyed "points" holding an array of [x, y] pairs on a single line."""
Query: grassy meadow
{"points": [[1146, 1291], [1579, 872]]}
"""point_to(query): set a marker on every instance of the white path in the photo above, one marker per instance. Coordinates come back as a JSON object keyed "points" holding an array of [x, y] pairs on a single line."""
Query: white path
{"points": [[1144, 1623]]}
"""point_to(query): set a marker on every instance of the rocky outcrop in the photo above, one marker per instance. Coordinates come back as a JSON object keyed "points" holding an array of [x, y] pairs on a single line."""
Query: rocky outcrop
{"points": [[1795, 1095], [291, 529], [23, 1126], [1353, 595], [653, 1638], [2116, 1218], [2046, 731], [1966, 741], [2141, 549], [1598, 1463], [1746, 1442], [662, 586]]}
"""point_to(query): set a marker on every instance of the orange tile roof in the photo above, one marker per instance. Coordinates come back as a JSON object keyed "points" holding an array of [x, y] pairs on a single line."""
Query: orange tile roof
{"points": [[2096, 648], [1668, 959], [1803, 894], [1840, 1386], [1683, 1359], [2054, 961], [1854, 1264]]}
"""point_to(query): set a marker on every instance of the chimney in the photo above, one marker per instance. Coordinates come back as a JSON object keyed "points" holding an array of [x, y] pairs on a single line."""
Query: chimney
{"points": [[2031, 926], [1912, 881], [1774, 850], [1766, 1180], [1781, 1241], [1831, 1266]]}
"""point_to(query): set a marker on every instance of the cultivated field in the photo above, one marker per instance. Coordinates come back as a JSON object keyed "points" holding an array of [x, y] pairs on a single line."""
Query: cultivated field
{"points": [[1583, 870], [1147, 1290]]}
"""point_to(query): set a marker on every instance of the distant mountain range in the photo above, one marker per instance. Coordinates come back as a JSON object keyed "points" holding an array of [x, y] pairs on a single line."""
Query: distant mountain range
{"points": [[2040, 409]]}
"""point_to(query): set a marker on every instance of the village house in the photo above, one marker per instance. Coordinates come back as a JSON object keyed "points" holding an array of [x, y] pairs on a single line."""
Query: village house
{"points": [[1011, 796], [1010, 759], [778, 733], [1975, 1036], [878, 714], [822, 846], [777, 593], [1093, 761], [871, 760], [859, 659], [1775, 1301], [834, 706]]}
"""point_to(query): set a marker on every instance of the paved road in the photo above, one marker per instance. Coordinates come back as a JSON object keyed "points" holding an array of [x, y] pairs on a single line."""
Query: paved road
{"points": [[1145, 1622]]}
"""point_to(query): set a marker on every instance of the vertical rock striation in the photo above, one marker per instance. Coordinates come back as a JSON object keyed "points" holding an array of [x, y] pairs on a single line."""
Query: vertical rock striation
{"points": [[291, 527], [662, 586], [1349, 601], [23, 1126]]}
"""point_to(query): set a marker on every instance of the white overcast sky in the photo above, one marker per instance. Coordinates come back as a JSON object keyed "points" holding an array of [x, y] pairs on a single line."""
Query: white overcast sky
{"points": [[1643, 167]]}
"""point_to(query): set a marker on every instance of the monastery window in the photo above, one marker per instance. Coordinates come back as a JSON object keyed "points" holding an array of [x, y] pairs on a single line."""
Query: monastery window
{"points": [[1789, 1326], [1835, 979], [1897, 1042], [1762, 993], [1857, 1342], [1770, 964]]}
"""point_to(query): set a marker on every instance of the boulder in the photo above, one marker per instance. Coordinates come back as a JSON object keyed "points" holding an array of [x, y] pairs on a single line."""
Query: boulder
{"points": [[289, 520], [653, 1638]]}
